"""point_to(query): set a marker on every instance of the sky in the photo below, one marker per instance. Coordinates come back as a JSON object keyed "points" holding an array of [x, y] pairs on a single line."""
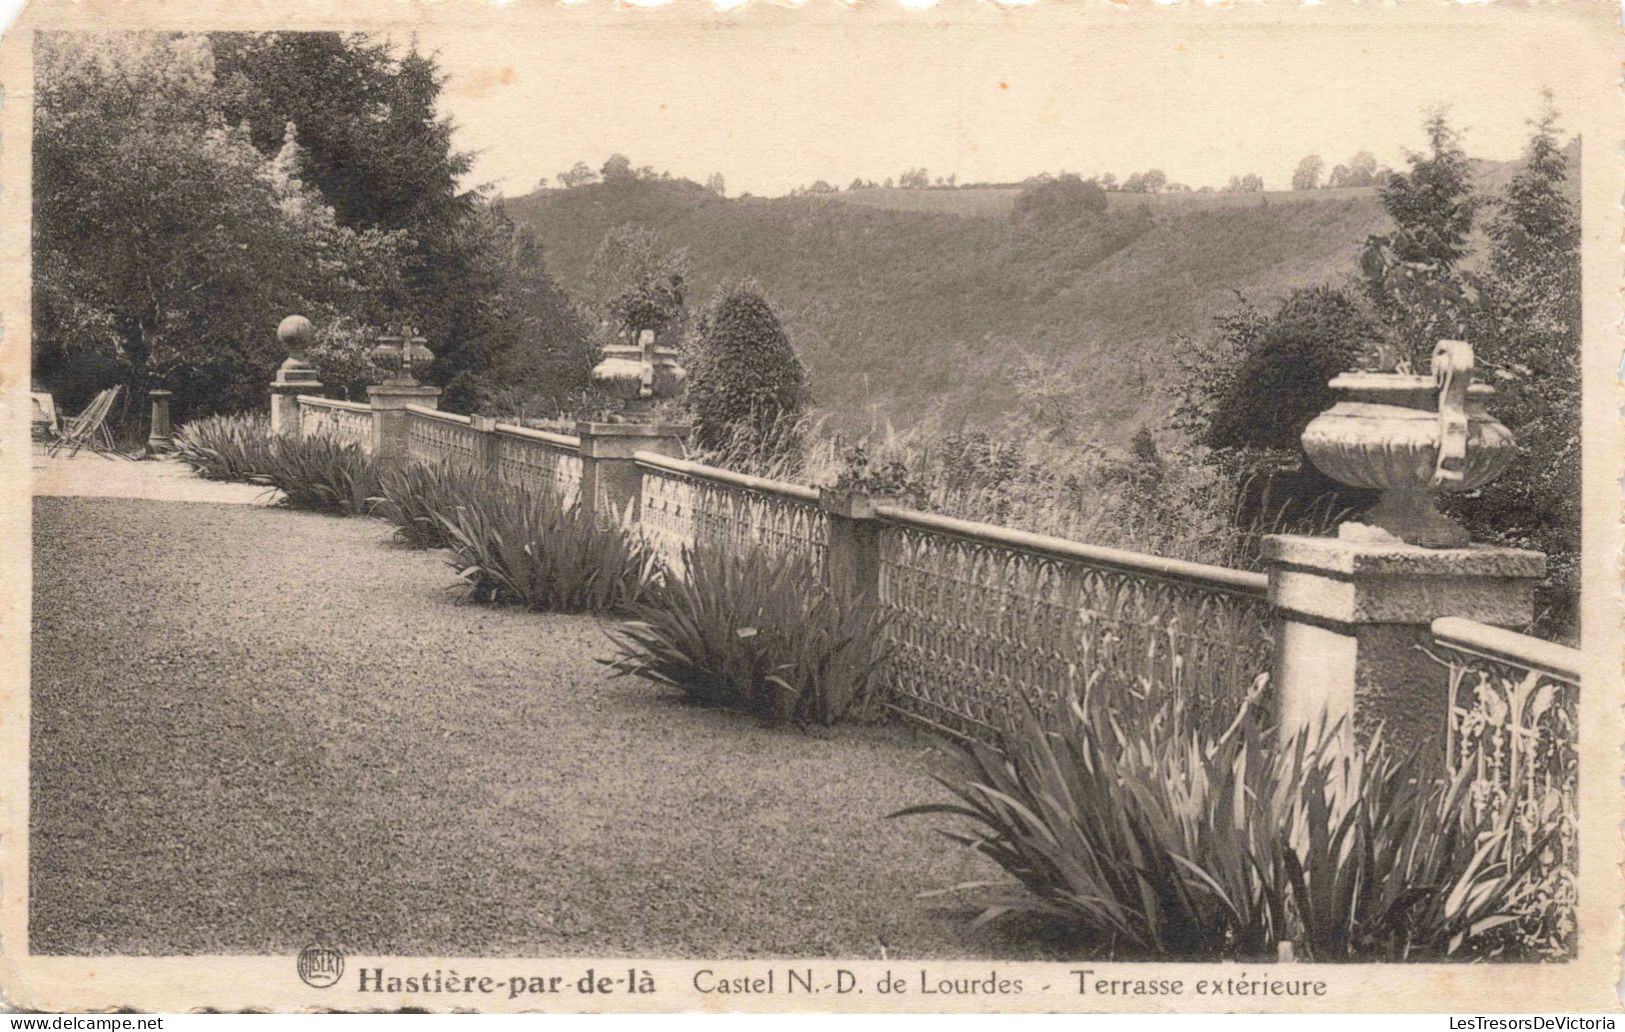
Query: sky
{"points": [[775, 98]]}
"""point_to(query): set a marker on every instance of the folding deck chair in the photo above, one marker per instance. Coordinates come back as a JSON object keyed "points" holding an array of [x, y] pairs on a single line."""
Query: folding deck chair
{"points": [[89, 428]]}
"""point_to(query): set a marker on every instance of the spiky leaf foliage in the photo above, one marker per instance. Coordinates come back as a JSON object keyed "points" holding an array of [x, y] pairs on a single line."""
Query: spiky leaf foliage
{"points": [[514, 546], [225, 447], [760, 633], [1157, 839], [320, 474], [414, 495]]}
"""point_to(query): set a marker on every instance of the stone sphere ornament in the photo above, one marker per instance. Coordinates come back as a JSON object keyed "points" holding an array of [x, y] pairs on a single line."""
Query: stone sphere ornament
{"points": [[296, 334], [1411, 438]]}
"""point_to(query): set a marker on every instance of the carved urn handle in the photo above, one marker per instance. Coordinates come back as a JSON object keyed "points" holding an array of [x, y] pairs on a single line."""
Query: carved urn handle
{"points": [[1452, 374]]}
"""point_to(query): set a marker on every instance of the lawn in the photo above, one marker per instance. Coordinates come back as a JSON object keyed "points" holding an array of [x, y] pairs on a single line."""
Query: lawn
{"points": [[252, 728]]}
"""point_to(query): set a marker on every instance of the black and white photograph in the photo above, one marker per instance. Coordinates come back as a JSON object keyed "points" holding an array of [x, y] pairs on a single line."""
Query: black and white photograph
{"points": [[841, 507]]}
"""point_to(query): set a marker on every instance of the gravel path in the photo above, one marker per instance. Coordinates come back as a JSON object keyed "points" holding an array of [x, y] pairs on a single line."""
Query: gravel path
{"points": [[253, 727], [89, 475]]}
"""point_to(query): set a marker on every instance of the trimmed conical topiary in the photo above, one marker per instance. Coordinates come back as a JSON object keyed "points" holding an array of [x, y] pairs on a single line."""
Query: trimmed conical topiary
{"points": [[743, 371]]}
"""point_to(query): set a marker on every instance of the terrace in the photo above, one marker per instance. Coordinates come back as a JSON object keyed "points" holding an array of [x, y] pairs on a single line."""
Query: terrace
{"points": [[276, 712]]}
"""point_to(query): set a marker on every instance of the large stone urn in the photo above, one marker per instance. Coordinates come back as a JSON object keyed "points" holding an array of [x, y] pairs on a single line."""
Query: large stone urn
{"points": [[1411, 438], [639, 374], [399, 355]]}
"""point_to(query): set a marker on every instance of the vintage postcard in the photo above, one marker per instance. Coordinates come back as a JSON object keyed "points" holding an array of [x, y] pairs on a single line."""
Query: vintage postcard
{"points": [[875, 506]]}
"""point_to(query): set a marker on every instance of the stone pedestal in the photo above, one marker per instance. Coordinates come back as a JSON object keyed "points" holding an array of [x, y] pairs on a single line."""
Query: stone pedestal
{"points": [[486, 459], [610, 482], [1353, 620], [389, 401], [293, 378], [160, 438], [852, 565]]}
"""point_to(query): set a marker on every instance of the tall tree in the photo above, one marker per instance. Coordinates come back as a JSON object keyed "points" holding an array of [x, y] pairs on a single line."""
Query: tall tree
{"points": [[379, 152], [1362, 169], [1526, 333], [1411, 274], [638, 282], [577, 175], [1434, 204], [1307, 175], [547, 351], [167, 245]]}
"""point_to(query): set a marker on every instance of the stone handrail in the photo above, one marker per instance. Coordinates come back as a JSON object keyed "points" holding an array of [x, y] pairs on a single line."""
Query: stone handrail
{"points": [[1508, 647], [1218, 577], [547, 437], [699, 471], [316, 401], [445, 417]]}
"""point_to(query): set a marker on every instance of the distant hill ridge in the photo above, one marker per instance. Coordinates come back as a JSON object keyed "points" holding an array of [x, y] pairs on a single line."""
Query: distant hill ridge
{"points": [[912, 315]]}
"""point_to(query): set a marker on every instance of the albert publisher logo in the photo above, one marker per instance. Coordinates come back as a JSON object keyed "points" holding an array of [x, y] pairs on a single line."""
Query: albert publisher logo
{"points": [[320, 966]]}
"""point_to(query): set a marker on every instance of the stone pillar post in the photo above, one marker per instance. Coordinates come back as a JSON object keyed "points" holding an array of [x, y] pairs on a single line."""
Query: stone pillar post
{"points": [[611, 485], [294, 376], [389, 401], [159, 438], [487, 459], [1352, 619], [852, 565]]}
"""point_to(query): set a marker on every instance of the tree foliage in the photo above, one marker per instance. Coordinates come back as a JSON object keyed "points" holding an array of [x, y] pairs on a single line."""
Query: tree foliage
{"points": [[1526, 334], [1361, 170], [166, 245], [577, 175], [1263, 376], [1062, 195], [194, 189], [1411, 275], [1258, 380], [914, 179], [379, 152], [1152, 181], [743, 371], [1307, 175], [638, 283]]}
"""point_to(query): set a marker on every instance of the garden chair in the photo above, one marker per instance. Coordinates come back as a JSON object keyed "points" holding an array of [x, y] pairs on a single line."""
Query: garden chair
{"points": [[42, 419], [89, 428]]}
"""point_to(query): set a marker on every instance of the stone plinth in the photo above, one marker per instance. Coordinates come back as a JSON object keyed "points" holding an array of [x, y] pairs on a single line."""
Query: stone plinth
{"points": [[610, 482], [293, 378], [1353, 619], [160, 438], [389, 401], [486, 458], [852, 566]]}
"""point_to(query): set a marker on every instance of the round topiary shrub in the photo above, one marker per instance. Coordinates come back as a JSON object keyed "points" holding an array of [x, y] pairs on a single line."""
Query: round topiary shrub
{"points": [[744, 375]]}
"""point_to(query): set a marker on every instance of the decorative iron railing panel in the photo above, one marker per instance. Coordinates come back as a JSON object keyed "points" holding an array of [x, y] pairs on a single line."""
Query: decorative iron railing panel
{"points": [[1514, 725], [540, 461], [981, 617], [344, 421], [685, 504], [433, 436]]}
